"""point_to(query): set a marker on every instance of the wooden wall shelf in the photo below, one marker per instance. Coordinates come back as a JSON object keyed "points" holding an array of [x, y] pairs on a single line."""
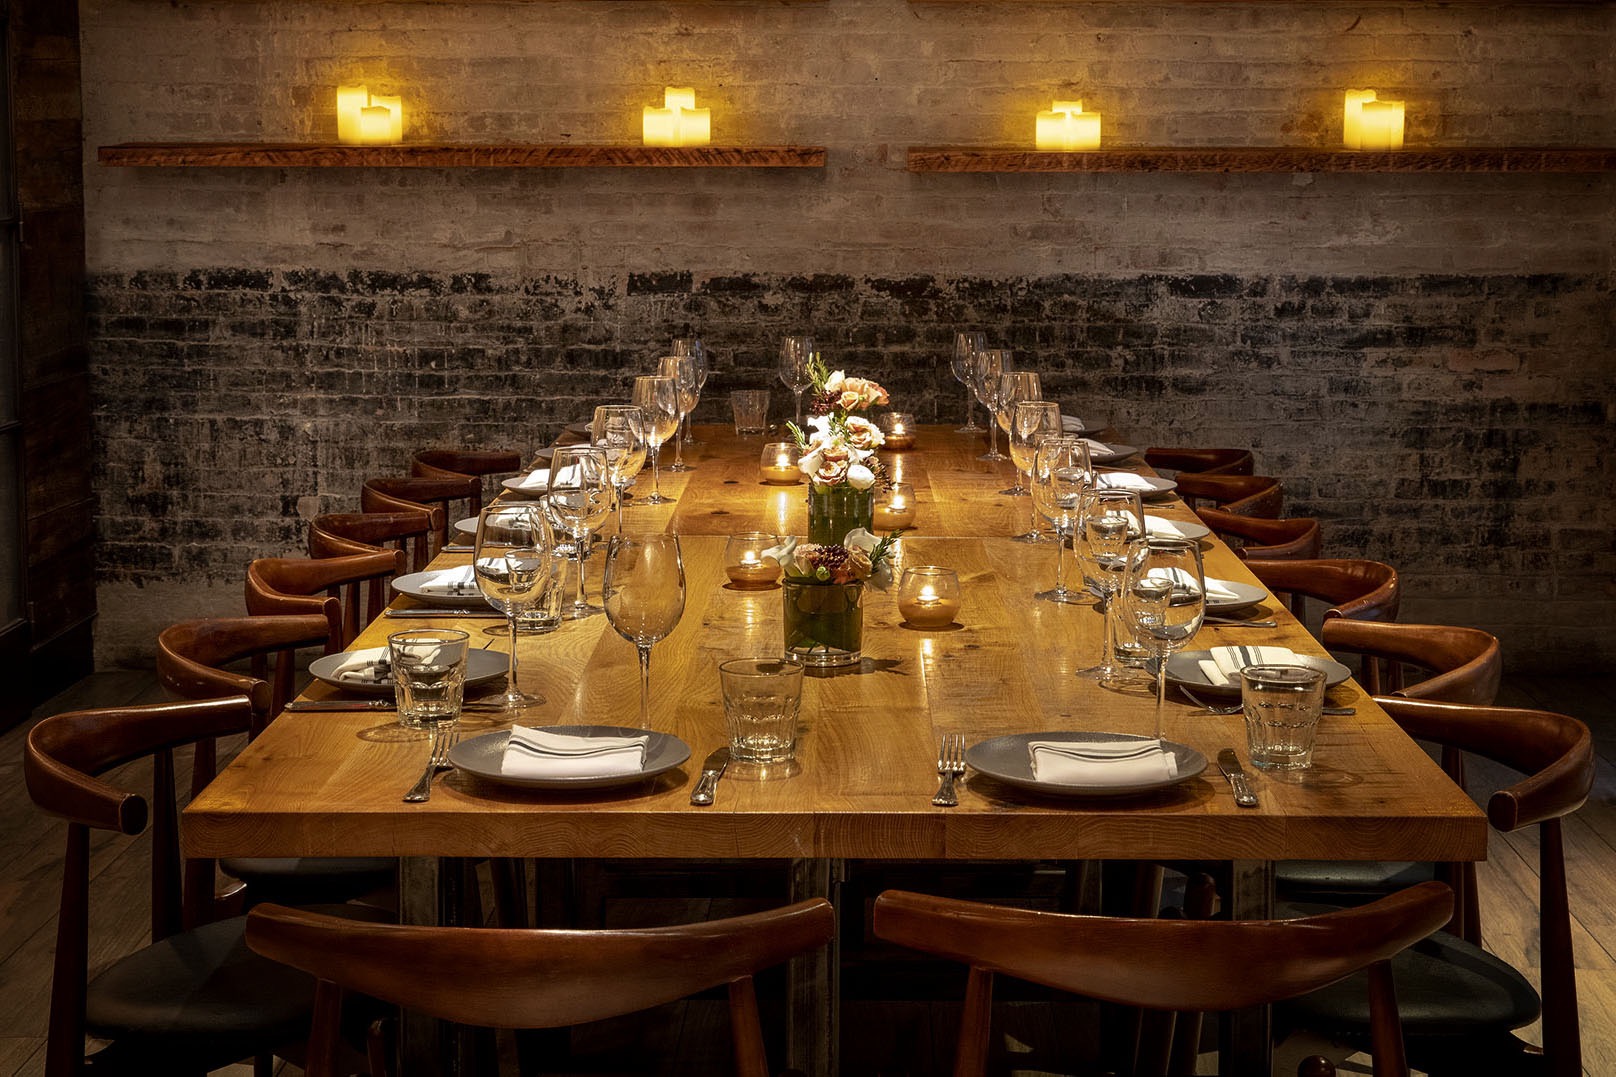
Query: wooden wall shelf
{"points": [[1261, 159], [454, 155]]}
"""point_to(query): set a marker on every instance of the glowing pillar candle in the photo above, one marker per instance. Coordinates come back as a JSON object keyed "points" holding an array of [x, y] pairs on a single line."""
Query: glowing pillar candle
{"points": [[1067, 127], [678, 122], [364, 119], [350, 99], [1382, 125], [1352, 118], [395, 119]]}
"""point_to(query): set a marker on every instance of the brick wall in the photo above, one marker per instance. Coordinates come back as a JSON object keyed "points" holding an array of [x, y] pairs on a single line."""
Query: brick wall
{"points": [[1425, 358]]}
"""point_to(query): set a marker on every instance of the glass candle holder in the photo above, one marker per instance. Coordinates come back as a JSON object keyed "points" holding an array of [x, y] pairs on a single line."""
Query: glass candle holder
{"points": [[895, 509], [929, 596], [897, 430], [745, 564], [778, 464]]}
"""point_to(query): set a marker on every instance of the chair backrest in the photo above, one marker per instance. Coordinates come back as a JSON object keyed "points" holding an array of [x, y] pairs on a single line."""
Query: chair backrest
{"points": [[342, 534], [1202, 461], [540, 978], [1296, 538], [1556, 754], [1165, 964], [349, 592], [436, 495], [1466, 663], [1241, 495], [450, 463], [64, 756], [1356, 589], [192, 656]]}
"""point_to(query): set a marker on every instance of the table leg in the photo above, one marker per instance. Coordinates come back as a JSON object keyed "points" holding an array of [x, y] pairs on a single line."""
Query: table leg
{"points": [[1247, 1035], [813, 1010], [430, 893]]}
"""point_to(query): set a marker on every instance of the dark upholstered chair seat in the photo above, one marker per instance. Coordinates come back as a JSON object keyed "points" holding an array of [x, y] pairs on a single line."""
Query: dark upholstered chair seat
{"points": [[305, 880], [1347, 882]]}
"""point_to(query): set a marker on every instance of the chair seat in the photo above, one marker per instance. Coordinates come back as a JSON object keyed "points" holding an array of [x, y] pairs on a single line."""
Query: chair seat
{"points": [[304, 880], [1347, 882]]}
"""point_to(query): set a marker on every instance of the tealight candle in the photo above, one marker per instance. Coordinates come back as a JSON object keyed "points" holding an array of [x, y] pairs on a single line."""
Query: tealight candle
{"points": [[929, 596], [745, 564], [678, 122], [897, 430], [895, 510], [1067, 127], [778, 464]]}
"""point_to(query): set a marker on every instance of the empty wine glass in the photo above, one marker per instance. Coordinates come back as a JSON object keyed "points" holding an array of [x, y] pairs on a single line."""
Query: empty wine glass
{"points": [[578, 500], [620, 430], [644, 595], [513, 563], [693, 348], [1030, 422], [797, 355], [966, 347], [1107, 521], [682, 369], [990, 363], [1061, 471], [658, 401], [1163, 600]]}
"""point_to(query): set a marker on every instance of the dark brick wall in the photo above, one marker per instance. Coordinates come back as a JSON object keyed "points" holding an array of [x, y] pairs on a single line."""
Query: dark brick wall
{"points": [[1458, 427]]}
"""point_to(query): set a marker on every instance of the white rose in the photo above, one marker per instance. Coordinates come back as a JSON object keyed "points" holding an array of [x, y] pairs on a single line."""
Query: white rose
{"points": [[860, 477], [833, 384], [811, 461]]}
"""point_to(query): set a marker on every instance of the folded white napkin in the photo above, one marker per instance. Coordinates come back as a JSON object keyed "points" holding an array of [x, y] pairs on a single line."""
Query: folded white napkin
{"points": [[373, 665], [1097, 448], [450, 581], [1071, 424], [1225, 664], [537, 480], [1125, 480], [1213, 588], [1116, 762], [541, 753], [1160, 525]]}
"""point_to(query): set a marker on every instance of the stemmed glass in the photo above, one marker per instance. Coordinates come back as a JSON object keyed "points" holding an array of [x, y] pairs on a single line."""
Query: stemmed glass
{"points": [[1107, 521], [1061, 471], [1015, 387], [644, 593], [693, 348], [796, 360], [620, 430], [658, 401], [1164, 600], [990, 363], [1031, 422], [682, 369], [513, 562], [579, 498], [966, 347]]}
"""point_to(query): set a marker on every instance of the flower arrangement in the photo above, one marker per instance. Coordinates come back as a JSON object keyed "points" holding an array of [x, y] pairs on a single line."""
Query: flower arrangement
{"points": [[822, 593], [839, 447], [859, 556]]}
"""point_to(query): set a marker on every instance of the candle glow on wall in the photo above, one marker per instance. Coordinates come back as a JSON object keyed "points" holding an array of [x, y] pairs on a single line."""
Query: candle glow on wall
{"points": [[1371, 124], [678, 122], [364, 119], [1067, 127]]}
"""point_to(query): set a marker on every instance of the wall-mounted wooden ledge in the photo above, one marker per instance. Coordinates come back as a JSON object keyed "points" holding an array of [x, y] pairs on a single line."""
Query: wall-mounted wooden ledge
{"points": [[307, 155], [1261, 159]]}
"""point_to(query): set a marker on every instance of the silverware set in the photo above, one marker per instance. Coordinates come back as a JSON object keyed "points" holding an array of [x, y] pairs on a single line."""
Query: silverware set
{"points": [[445, 735], [1235, 708], [950, 765]]}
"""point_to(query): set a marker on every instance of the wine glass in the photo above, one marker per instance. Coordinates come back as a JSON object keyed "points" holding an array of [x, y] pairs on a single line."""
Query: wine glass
{"points": [[1107, 521], [513, 560], [644, 594], [1031, 421], [578, 501], [797, 355], [966, 347], [1163, 600], [682, 369], [658, 401], [692, 347], [1061, 471], [620, 430], [990, 363]]}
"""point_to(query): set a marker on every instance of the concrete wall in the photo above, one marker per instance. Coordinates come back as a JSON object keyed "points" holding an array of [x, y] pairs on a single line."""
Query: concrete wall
{"points": [[1425, 358]]}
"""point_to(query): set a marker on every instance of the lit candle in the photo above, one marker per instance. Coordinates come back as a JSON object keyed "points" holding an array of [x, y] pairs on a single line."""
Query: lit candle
{"points": [[1382, 125], [896, 510], [778, 465], [395, 121], [350, 99], [678, 122], [1067, 127], [366, 119], [375, 125], [929, 597], [1352, 117], [745, 564], [898, 430]]}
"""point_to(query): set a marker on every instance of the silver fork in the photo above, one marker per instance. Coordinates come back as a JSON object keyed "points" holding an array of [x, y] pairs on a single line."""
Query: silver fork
{"points": [[950, 765], [444, 735]]}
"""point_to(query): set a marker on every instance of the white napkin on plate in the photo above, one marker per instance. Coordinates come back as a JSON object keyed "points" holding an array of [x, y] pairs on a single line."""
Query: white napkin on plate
{"points": [[1160, 525], [372, 665], [1126, 480], [450, 581], [1097, 448], [542, 753], [1071, 424], [537, 480], [1115, 762], [1225, 664], [1214, 589]]}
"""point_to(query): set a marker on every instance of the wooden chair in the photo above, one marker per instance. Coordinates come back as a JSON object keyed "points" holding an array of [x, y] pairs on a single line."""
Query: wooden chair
{"points": [[1461, 1002], [1239, 495], [538, 978], [458, 463], [342, 534], [435, 495], [1297, 538], [1356, 589], [349, 591], [1165, 965], [1202, 461]]}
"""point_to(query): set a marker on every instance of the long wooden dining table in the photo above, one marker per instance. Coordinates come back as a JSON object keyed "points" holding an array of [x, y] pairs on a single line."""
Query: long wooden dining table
{"points": [[330, 783]]}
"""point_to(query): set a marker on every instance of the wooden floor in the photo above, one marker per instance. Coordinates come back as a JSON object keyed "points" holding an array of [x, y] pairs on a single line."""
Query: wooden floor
{"points": [[879, 1037]]}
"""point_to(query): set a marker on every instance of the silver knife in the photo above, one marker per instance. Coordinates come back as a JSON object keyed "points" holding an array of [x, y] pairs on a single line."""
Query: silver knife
{"points": [[711, 771], [371, 705], [438, 611], [1229, 763]]}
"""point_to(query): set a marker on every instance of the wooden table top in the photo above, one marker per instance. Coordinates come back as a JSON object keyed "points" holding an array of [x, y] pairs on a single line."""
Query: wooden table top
{"points": [[330, 783]]}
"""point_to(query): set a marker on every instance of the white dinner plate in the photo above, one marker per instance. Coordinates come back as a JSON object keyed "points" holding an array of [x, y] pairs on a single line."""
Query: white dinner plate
{"points": [[469, 598], [1156, 525], [1149, 487], [583, 430], [1112, 453], [532, 484], [466, 529], [481, 667], [1010, 761], [1246, 596], [1072, 424], [1184, 668], [484, 755]]}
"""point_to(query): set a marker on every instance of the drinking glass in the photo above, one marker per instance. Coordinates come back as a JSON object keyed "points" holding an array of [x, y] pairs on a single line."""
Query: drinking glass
{"points": [[620, 430], [429, 675], [658, 401], [1163, 600], [682, 369], [693, 348], [1061, 471], [1107, 521], [966, 347], [797, 355], [1031, 423], [579, 500], [512, 560], [644, 594], [990, 363]]}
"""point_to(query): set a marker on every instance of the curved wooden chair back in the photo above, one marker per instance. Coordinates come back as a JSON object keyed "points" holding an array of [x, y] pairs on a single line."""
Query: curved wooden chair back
{"points": [[1165, 964], [538, 978], [342, 534], [1297, 538], [1356, 589], [1466, 663], [457, 463], [435, 495], [1202, 461], [349, 592], [62, 762], [192, 656], [1240, 495]]}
